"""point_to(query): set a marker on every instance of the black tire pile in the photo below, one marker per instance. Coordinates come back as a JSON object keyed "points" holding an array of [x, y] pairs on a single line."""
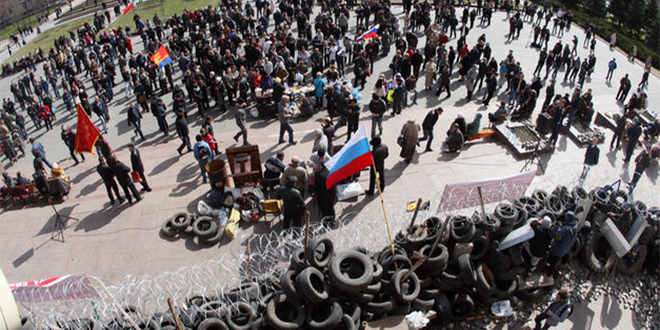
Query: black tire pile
{"points": [[202, 230], [464, 274]]}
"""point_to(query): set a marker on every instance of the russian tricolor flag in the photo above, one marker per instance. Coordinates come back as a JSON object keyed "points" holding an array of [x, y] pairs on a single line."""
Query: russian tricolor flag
{"points": [[352, 158], [373, 32]]}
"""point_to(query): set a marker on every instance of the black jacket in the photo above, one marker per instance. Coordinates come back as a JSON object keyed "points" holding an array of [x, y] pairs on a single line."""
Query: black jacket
{"points": [[136, 161], [293, 203], [105, 172], [591, 156], [181, 125], [430, 119], [121, 171], [380, 152], [134, 115]]}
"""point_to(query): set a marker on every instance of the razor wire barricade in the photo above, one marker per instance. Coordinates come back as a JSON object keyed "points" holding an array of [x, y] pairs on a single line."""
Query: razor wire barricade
{"points": [[228, 281]]}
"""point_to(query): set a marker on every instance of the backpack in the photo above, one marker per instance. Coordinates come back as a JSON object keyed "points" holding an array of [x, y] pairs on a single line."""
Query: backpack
{"points": [[203, 154]]}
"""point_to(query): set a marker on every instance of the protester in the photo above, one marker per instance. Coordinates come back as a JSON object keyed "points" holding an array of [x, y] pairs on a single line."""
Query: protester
{"points": [[380, 153], [325, 197], [427, 127], [122, 173], [108, 177], [203, 155], [564, 237], [292, 203], [642, 162], [138, 167], [590, 159], [39, 152], [240, 117], [559, 310], [182, 131], [69, 139], [408, 140]]}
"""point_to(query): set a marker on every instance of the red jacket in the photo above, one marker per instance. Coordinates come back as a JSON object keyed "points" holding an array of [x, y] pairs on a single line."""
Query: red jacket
{"points": [[208, 138], [44, 111]]}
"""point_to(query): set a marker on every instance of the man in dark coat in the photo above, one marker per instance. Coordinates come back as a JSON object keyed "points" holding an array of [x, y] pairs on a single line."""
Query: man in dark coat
{"points": [[326, 197], [182, 131], [122, 173], [590, 159], [634, 132], [444, 81], [158, 109], [292, 203], [69, 139], [136, 164], [540, 243], [108, 177], [427, 126], [352, 118], [240, 118], [380, 152], [618, 131], [134, 118], [557, 116]]}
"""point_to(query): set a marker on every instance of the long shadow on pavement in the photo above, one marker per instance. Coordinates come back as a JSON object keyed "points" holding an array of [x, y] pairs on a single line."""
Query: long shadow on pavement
{"points": [[82, 175], [164, 165], [90, 188], [98, 219], [49, 226]]}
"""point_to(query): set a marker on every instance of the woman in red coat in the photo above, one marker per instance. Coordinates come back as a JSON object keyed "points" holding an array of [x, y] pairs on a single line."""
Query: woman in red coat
{"points": [[45, 114], [129, 45]]}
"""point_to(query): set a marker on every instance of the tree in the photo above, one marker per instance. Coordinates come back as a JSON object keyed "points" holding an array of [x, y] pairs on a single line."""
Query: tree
{"points": [[619, 10], [597, 8], [633, 21], [653, 36], [651, 14]]}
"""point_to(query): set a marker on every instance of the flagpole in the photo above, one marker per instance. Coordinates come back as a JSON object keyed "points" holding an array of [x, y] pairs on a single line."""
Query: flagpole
{"points": [[382, 204]]}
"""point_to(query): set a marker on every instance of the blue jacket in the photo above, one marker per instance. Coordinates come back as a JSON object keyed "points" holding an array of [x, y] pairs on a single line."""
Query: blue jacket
{"points": [[199, 146], [564, 236], [37, 146], [319, 84]]}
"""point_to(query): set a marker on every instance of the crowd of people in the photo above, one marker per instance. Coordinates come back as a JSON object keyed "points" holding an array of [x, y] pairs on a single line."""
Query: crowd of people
{"points": [[231, 56]]}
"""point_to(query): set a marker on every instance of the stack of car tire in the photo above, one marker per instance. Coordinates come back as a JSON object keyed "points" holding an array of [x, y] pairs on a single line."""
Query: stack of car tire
{"points": [[204, 230], [328, 289]]}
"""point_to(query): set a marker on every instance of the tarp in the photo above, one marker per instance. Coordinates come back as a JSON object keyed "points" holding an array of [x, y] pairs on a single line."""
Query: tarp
{"points": [[63, 287], [463, 195]]}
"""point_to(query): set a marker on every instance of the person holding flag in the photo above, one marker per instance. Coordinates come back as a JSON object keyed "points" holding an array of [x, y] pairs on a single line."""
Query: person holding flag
{"points": [[371, 33], [352, 158], [161, 57], [130, 7]]}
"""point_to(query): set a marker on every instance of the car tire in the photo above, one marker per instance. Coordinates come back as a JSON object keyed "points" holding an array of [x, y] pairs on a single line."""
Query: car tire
{"points": [[351, 270], [311, 286], [284, 314], [205, 227]]}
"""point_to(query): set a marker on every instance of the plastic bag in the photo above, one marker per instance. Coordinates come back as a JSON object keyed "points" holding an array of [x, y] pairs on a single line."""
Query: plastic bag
{"points": [[232, 224], [501, 308], [346, 191], [416, 320]]}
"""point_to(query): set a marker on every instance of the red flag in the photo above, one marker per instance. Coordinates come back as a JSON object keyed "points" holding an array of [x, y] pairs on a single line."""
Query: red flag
{"points": [[129, 8], [86, 133]]}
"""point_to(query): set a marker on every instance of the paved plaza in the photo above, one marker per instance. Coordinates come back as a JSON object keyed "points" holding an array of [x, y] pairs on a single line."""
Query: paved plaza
{"points": [[111, 242]]}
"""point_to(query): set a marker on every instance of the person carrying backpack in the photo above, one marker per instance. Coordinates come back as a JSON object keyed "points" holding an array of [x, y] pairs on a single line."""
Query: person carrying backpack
{"points": [[202, 153], [559, 310]]}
